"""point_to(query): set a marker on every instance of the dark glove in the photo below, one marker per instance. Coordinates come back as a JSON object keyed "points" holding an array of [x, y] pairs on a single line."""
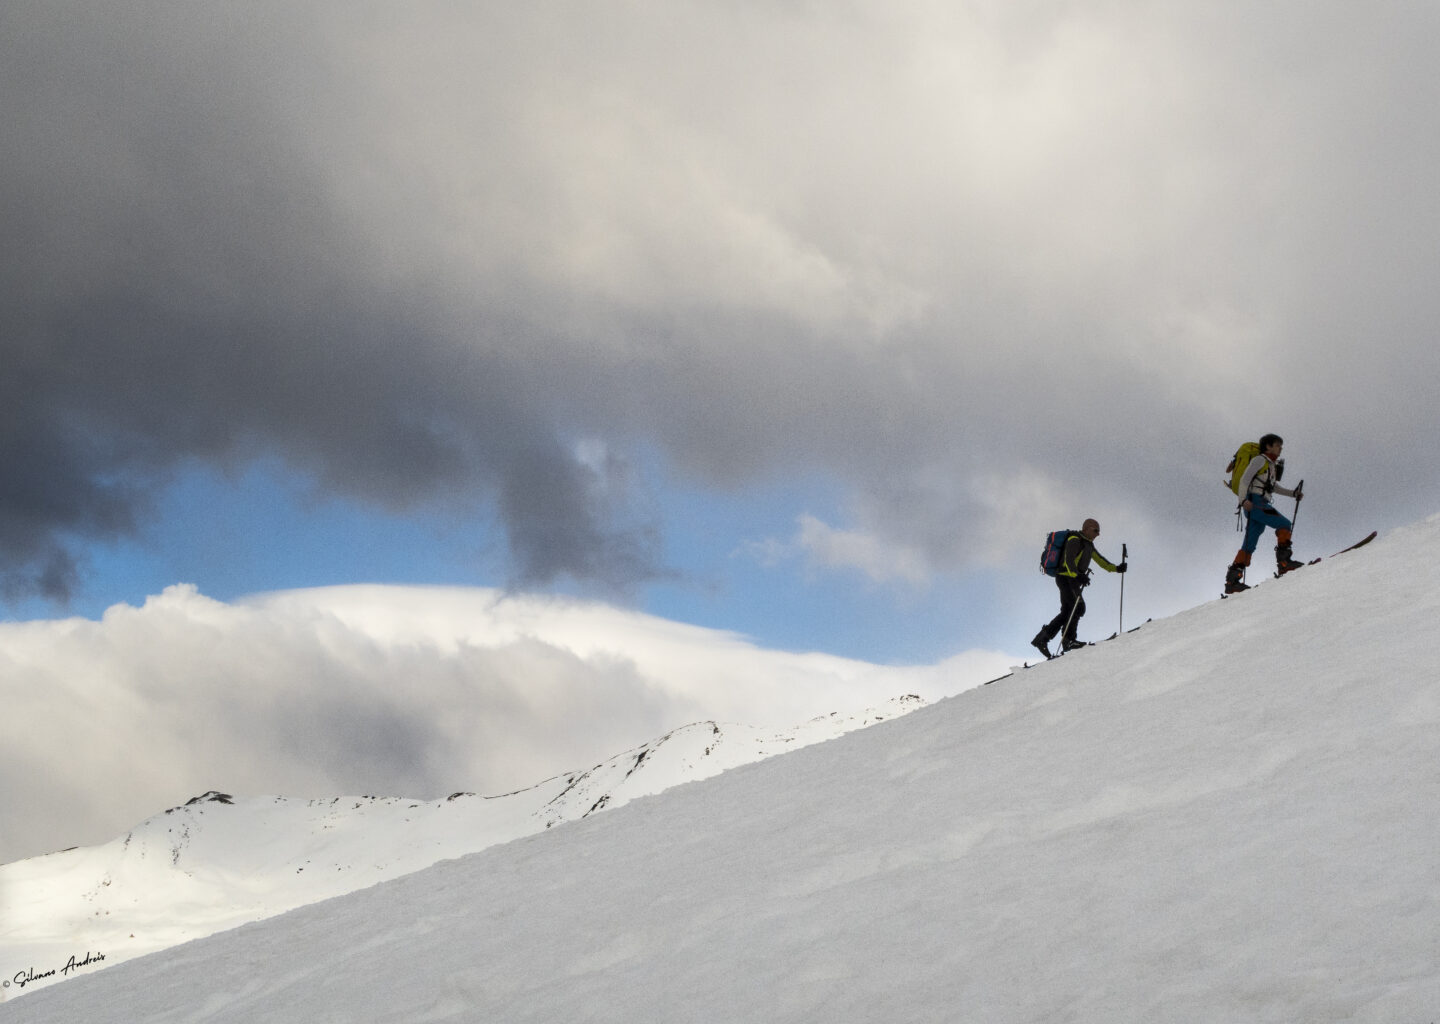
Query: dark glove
{"points": [[1122, 567], [1299, 495]]}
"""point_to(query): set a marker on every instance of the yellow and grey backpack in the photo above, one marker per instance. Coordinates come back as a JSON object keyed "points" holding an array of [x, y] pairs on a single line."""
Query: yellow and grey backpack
{"points": [[1236, 469]]}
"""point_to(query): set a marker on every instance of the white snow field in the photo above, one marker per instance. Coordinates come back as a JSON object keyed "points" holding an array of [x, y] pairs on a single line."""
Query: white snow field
{"points": [[220, 861], [1227, 816]]}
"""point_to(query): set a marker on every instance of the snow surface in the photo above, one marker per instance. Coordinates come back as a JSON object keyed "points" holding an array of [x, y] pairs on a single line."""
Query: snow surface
{"points": [[1229, 815], [219, 862]]}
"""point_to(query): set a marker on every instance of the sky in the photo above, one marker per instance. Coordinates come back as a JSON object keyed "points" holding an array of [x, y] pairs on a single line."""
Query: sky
{"points": [[800, 323], [807, 321], [1136, 831]]}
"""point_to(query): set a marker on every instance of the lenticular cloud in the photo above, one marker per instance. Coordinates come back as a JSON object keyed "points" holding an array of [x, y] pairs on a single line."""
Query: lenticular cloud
{"points": [[392, 691]]}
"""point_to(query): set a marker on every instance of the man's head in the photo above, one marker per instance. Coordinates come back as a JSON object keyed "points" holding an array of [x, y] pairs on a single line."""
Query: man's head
{"points": [[1271, 444], [1090, 530]]}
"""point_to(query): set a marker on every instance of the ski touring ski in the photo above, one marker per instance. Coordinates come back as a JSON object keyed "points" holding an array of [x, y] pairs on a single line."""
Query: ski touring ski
{"points": [[1132, 629], [1358, 544], [1061, 653]]}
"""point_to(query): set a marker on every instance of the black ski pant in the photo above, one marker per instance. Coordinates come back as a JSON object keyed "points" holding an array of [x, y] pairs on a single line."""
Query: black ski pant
{"points": [[1072, 608]]}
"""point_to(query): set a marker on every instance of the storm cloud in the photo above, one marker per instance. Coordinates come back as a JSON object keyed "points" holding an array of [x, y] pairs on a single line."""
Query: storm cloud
{"points": [[982, 264]]}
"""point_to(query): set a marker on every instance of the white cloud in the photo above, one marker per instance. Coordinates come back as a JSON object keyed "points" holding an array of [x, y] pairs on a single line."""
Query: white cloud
{"points": [[881, 560], [390, 691]]}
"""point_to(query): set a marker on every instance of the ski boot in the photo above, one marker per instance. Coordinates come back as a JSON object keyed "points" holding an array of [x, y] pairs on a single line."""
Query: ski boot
{"points": [[1072, 644], [1235, 575], [1283, 561], [1042, 644]]}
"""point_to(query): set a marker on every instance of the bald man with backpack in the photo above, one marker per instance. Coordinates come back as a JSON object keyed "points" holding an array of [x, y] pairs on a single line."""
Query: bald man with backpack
{"points": [[1068, 558]]}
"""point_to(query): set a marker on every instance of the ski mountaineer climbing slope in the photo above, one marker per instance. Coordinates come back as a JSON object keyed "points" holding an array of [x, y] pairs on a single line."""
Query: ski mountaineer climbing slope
{"points": [[1071, 577], [1257, 482]]}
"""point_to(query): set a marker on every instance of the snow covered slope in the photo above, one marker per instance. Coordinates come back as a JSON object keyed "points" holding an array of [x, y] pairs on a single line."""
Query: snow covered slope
{"points": [[218, 862], [1230, 815]]}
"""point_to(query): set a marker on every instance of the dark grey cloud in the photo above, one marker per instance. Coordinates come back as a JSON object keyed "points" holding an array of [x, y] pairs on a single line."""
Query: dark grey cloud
{"points": [[181, 281], [981, 266]]}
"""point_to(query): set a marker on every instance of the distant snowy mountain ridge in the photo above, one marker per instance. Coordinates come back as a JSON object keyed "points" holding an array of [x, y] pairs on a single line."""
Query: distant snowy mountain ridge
{"points": [[219, 861]]}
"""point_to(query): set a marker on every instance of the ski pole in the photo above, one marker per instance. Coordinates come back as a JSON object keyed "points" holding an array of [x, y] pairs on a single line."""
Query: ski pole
{"points": [[1299, 493], [1123, 556]]}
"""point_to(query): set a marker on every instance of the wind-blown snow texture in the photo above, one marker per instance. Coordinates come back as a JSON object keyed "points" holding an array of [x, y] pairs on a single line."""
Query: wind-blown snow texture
{"points": [[1229, 815]]}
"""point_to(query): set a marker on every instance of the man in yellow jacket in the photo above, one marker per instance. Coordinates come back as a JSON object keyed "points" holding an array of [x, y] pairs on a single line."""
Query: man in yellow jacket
{"points": [[1071, 577]]}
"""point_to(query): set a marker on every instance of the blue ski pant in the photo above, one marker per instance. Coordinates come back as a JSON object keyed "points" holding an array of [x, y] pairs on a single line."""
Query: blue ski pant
{"points": [[1259, 517]]}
